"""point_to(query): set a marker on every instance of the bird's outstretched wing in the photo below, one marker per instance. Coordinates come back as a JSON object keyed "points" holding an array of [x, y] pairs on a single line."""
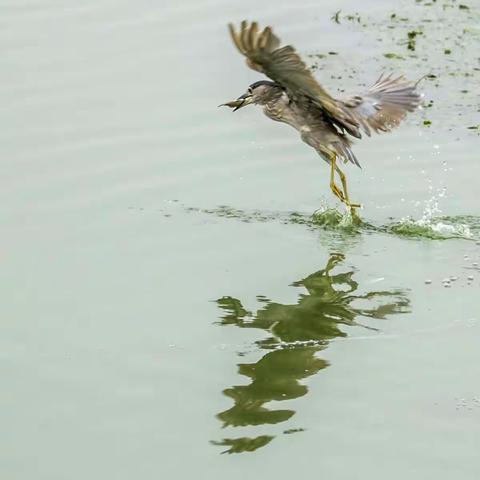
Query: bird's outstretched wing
{"points": [[285, 67], [385, 104]]}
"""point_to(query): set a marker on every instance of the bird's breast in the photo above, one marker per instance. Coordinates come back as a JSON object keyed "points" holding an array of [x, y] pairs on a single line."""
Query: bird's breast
{"points": [[280, 113], [274, 112]]}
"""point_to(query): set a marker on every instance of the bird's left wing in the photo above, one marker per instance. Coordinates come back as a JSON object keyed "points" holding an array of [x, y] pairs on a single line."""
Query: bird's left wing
{"points": [[285, 67]]}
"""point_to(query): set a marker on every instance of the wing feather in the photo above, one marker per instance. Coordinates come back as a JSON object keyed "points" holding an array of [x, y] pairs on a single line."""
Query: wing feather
{"points": [[385, 104], [285, 67], [380, 109], [236, 39]]}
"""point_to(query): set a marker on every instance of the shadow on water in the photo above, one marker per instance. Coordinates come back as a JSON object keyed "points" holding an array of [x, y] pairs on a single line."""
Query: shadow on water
{"points": [[295, 334]]}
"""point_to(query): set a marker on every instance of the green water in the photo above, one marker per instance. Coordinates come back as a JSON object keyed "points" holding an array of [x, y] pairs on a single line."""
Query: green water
{"points": [[428, 226], [182, 295]]}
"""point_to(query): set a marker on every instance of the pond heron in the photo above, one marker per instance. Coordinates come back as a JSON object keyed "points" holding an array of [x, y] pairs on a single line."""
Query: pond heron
{"points": [[293, 96]]}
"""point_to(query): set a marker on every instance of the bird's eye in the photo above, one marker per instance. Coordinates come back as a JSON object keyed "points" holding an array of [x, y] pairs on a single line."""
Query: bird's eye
{"points": [[250, 90]]}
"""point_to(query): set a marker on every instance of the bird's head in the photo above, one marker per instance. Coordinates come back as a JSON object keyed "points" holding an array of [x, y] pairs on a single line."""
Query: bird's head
{"points": [[259, 93]]}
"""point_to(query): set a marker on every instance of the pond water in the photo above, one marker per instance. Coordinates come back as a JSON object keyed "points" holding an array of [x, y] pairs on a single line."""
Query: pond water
{"points": [[171, 307]]}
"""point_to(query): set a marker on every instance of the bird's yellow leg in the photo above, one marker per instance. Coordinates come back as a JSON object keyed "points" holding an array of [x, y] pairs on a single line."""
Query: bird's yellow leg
{"points": [[336, 191], [343, 179]]}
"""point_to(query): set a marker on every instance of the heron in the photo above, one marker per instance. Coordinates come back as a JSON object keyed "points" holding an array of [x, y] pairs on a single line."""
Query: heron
{"points": [[293, 96]]}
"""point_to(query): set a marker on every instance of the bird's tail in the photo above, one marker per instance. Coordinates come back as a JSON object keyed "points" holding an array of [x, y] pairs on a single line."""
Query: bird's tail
{"points": [[344, 150]]}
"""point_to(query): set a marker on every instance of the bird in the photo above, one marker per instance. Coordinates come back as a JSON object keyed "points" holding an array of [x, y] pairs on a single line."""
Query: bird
{"points": [[293, 96]]}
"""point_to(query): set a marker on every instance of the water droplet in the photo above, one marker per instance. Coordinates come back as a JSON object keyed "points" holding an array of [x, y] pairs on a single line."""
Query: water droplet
{"points": [[428, 282]]}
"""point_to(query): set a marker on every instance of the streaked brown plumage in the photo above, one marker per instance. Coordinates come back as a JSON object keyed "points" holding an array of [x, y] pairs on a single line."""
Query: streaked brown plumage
{"points": [[296, 98]]}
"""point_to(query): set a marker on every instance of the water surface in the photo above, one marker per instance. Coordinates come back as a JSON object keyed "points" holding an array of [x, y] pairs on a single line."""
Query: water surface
{"points": [[171, 308]]}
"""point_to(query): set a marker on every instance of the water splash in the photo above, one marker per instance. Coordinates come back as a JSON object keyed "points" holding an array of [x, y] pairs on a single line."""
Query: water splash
{"points": [[431, 224], [332, 219], [325, 217]]}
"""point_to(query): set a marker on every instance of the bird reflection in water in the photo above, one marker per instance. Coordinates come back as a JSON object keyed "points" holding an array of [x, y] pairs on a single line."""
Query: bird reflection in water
{"points": [[295, 334]]}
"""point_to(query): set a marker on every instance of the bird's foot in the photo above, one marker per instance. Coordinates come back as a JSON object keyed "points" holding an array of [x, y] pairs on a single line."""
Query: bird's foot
{"points": [[352, 210]]}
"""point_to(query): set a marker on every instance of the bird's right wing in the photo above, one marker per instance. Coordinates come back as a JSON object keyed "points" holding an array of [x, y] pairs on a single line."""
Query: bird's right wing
{"points": [[285, 67], [385, 104]]}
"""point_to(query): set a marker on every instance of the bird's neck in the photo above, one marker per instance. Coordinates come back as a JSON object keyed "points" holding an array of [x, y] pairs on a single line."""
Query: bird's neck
{"points": [[278, 109]]}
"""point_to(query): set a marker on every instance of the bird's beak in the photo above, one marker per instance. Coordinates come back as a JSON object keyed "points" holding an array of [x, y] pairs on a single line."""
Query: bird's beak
{"points": [[240, 102]]}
